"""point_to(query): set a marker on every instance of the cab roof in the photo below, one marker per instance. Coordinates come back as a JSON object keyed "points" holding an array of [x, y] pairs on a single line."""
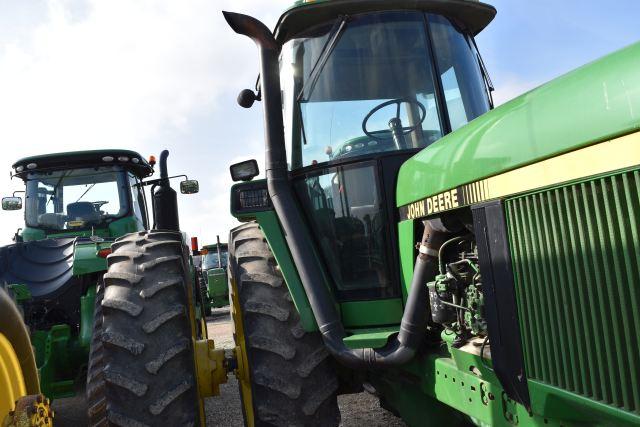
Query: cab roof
{"points": [[471, 16], [128, 159]]}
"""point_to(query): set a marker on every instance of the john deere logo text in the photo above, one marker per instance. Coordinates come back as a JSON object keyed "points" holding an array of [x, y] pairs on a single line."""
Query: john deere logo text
{"points": [[434, 204]]}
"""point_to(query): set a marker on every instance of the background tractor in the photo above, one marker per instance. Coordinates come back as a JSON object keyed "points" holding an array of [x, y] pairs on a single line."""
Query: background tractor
{"points": [[467, 265], [214, 275], [76, 205]]}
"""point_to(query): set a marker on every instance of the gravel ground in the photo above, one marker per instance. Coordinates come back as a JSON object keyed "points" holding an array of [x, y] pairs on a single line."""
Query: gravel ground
{"points": [[225, 410], [357, 409]]}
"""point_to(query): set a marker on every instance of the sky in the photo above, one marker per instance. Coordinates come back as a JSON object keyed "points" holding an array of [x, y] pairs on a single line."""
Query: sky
{"points": [[154, 74]]}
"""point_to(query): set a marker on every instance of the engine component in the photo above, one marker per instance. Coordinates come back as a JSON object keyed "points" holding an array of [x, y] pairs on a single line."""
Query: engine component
{"points": [[456, 296]]}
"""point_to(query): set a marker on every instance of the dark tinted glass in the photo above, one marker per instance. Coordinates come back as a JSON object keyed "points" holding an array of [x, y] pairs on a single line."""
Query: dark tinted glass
{"points": [[347, 216]]}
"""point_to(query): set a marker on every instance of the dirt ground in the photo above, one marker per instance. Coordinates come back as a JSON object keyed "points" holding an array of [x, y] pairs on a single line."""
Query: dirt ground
{"points": [[356, 409]]}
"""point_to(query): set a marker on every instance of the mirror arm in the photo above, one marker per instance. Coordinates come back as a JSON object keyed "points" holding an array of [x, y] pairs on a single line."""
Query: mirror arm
{"points": [[157, 180]]}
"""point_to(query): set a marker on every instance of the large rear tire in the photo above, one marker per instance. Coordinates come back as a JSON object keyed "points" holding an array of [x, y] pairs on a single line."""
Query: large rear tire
{"points": [[96, 403], [149, 374], [290, 374]]}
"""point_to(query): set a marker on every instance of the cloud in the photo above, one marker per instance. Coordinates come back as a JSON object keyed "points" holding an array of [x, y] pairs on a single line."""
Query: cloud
{"points": [[135, 74]]}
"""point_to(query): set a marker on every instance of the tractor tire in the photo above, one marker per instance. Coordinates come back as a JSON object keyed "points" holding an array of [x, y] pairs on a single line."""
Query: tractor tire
{"points": [[145, 339], [204, 295], [292, 379], [95, 378]]}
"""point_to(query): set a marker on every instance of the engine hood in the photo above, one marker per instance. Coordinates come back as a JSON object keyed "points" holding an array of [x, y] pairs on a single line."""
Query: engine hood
{"points": [[594, 103]]}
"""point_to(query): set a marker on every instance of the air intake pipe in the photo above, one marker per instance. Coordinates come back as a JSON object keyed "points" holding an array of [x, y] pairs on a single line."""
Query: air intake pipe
{"points": [[401, 349]]}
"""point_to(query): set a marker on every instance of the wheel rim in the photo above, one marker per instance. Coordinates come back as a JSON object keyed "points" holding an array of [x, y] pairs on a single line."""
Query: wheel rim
{"points": [[242, 371], [11, 377]]}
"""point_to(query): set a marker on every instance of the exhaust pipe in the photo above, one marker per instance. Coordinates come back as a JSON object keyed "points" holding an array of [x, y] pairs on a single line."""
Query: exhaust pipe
{"points": [[414, 320], [164, 200]]}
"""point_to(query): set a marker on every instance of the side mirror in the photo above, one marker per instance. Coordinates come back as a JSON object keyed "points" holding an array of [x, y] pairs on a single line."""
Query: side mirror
{"points": [[11, 203], [189, 186], [244, 171]]}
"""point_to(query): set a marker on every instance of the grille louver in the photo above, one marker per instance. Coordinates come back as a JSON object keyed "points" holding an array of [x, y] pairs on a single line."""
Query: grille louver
{"points": [[576, 257]]}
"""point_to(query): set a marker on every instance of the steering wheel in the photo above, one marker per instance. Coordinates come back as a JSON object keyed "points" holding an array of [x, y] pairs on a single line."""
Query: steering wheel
{"points": [[405, 130]]}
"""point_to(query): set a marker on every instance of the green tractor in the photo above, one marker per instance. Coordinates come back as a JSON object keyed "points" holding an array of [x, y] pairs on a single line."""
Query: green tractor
{"points": [[464, 263], [467, 265], [214, 275], [76, 204]]}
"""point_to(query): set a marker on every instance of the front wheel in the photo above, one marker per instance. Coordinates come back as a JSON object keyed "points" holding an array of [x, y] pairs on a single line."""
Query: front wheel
{"points": [[288, 376]]}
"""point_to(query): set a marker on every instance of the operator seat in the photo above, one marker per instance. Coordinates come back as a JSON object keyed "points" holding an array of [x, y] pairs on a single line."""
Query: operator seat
{"points": [[80, 210]]}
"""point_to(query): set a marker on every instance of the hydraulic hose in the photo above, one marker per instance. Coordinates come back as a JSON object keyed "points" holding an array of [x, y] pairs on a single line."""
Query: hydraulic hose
{"points": [[402, 348]]}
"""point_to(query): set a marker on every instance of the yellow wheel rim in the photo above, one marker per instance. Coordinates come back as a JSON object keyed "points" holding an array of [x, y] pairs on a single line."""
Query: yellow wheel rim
{"points": [[12, 383], [242, 372]]}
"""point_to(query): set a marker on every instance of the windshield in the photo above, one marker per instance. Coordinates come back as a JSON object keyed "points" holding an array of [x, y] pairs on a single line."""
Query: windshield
{"points": [[366, 85], [210, 259], [76, 198]]}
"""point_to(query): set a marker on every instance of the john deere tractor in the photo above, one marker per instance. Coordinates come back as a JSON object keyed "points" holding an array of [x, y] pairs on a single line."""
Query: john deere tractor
{"points": [[467, 265], [214, 275], [76, 204]]}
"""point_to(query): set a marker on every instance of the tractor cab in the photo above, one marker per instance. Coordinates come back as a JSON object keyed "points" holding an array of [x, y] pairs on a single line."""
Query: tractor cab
{"points": [[362, 92], [82, 193], [214, 258]]}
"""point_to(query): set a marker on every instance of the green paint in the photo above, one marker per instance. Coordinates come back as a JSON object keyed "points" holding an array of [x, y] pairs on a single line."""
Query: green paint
{"points": [[370, 337], [540, 124], [126, 225], [375, 312], [434, 385], [86, 260], [556, 403], [270, 226], [87, 303], [29, 234], [406, 237], [20, 293], [59, 355], [588, 347], [217, 287]]}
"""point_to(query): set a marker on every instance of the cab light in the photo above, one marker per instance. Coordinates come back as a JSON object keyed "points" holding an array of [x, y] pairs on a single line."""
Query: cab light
{"points": [[123, 159], [32, 166], [19, 168], [107, 159], [135, 160], [103, 253]]}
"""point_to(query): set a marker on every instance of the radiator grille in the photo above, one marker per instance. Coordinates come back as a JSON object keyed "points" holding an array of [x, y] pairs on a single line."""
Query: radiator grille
{"points": [[576, 257]]}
